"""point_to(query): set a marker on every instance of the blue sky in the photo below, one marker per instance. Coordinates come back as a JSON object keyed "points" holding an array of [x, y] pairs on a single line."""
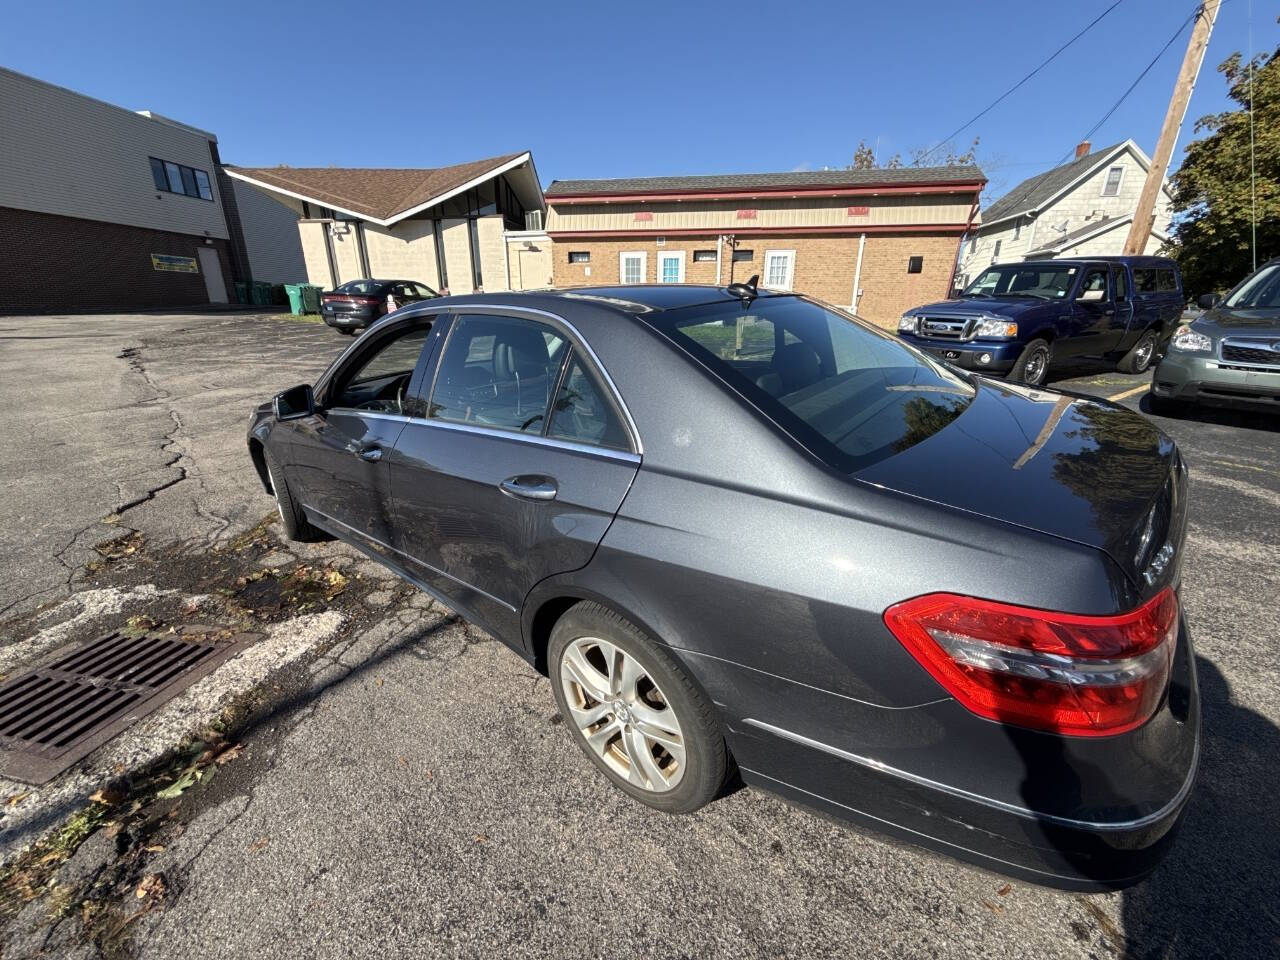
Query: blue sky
{"points": [[610, 90]]}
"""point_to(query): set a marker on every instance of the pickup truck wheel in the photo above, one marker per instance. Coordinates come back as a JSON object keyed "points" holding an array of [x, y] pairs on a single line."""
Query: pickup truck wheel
{"points": [[1033, 365], [1139, 357]]}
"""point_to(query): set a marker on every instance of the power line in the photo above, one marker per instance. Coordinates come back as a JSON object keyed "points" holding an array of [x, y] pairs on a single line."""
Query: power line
{"points": [[994, 103], [1147, 69]]}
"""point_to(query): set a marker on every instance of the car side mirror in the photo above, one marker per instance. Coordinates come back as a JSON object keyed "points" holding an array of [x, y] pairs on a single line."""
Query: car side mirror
{"points": [[1209, 300], [295, 402]]}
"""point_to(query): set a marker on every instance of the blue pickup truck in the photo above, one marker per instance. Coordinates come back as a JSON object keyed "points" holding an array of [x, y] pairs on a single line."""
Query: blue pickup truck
{"points": [[1017, 319]]}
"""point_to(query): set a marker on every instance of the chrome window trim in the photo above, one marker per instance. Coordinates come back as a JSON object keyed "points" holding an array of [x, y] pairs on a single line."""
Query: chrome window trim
{"points": [[624, 456], [577, 340], [375, 414], [870, 763]]}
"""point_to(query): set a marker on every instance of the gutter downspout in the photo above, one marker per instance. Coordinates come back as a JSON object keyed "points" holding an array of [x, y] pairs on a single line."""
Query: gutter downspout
{"points": [[506, 260], [719, 243], [328, 252], [973, 212], [857, 274]]}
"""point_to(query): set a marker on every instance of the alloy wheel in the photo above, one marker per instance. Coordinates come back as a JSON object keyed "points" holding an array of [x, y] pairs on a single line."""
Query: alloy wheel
{"points": [[275, 492], [1142, 356], [622, 714], [1037, 364]]}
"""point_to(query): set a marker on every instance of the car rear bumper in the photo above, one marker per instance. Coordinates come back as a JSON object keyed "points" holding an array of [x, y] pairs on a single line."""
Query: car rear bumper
{"points": [[1203, 379], [347, 319], [977, 355], [1079, 813]]}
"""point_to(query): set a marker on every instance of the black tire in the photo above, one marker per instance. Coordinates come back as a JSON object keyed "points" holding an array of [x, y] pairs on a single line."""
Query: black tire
{"points": [[292, 519], [1035, 361], [706, 757], [1140, 355]]}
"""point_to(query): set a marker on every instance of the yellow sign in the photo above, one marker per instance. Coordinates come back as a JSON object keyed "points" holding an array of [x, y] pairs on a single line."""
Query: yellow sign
{"points": [[163, 261]]}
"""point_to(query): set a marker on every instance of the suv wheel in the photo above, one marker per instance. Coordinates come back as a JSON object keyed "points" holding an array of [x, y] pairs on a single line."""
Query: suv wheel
{"points": [[1140, 355], [634, 712], [1033, 366]]}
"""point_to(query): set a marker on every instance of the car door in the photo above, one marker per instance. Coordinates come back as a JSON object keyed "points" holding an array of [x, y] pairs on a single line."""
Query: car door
{"points": [[1092, 316], [338, 455], [517, 469], [1124, 322]]}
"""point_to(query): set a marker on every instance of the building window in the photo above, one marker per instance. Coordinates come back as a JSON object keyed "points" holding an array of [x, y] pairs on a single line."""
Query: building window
{"points": [[704, 256], [1111, 187], [779, 266], [915, 264], [671, 266], [743, 256], [175, 178], [579, 256], [996, 252], [631, 267], [533, 220]]}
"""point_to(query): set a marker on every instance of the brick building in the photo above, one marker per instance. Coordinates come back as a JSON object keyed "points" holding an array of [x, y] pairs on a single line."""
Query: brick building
{"points": [[879, 241], [103, 208]]}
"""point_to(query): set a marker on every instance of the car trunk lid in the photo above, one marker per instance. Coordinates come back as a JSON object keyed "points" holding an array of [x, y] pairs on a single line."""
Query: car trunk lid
{"points": [[1068, 466]]}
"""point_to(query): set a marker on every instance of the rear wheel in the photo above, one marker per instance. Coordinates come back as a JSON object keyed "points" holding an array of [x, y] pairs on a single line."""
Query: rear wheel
{"points": [[292, 518], [1139, 357], [634, 712], [1033, 366]]}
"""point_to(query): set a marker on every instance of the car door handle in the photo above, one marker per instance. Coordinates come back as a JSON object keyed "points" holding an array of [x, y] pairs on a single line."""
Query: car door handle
{"points": [[530, 488], [366, 451]]}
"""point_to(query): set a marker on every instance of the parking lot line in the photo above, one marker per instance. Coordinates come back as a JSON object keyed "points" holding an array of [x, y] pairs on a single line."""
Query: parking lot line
{"points": [[1129, 393]]}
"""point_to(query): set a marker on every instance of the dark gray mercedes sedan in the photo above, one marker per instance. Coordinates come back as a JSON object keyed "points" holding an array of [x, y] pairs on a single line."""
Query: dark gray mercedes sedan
{"points": [[743, 531]]}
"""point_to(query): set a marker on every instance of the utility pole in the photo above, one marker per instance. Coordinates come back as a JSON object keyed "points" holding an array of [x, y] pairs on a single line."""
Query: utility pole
{"points": [[1144, 217]]}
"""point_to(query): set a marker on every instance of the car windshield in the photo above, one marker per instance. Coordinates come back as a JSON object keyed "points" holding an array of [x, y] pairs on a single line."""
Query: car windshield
{"points": [[1259, 292], [1042, 280], [850, 393], [362, 287]]}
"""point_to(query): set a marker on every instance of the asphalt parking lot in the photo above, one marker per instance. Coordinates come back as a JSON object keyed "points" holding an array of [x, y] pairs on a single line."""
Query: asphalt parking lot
{"points": [[402, 784]]}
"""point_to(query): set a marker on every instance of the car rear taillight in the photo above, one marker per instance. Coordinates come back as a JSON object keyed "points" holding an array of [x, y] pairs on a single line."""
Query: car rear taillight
{"points": [[1064, 672]]}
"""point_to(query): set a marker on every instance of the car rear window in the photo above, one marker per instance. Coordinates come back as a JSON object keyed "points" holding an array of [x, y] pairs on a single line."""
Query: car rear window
{"points": [[360, 288], [850, 393]]}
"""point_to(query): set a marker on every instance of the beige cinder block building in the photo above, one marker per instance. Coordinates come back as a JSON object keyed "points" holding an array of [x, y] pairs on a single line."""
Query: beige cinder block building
{"points": [[458, 229], [879, 241]]}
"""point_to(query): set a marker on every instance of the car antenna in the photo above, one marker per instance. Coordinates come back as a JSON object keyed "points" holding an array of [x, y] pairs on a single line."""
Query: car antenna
{"points": [[746, 292]]}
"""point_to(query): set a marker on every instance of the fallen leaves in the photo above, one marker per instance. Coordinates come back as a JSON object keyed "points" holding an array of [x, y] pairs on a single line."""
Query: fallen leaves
{"points": [[16, 798], [184, 782], [153, 885], [1004, 891], [121, 547], [259, 844], [110, 796]]}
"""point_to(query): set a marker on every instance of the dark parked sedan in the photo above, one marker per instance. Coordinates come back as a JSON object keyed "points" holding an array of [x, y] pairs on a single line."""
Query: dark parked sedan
{"points": [[358, 303], [748, 531]]}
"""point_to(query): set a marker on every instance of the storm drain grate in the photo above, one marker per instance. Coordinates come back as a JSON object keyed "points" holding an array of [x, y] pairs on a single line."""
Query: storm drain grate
{"points": [[52, 716]]}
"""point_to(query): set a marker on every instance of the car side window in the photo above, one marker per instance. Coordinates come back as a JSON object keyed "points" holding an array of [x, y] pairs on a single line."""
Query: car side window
{"points": [[1166, 281], [1094, 286], [378, 381], [497, 372], [582, 414], [1121, 283], [1144, 280]]}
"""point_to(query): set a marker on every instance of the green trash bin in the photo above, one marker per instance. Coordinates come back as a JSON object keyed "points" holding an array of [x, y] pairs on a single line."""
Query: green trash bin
{"points": [[261, 294], [310, 298], [242, 292], [294, 292]]}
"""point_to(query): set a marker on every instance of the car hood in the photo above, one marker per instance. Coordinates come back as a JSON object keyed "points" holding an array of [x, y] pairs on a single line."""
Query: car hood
{"points": [[1068, 466], [1011, 307], [1224, 318]]}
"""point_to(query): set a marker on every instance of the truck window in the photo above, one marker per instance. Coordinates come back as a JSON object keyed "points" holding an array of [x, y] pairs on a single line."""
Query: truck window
{"points": [[1120, 280], [1144, 280], [1094, 286], [1166, 280]]}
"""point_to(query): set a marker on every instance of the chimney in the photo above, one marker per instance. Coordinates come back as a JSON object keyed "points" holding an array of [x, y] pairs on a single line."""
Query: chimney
{"points": [[1082, 149]]}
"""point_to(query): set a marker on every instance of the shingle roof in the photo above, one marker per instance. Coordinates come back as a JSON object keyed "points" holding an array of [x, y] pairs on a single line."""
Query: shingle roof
{"points": [[378, 193], [1031, 193], [733, 182], [1065, 240]]}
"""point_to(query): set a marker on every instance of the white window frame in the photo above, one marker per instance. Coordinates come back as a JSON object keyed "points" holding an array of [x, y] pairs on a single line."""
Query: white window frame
{"points": [[1107, 176], [622, 264], [791, 268], [677, 255]]}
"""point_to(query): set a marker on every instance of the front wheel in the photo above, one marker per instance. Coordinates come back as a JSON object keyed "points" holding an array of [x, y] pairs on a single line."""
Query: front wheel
{"points": [[1138, 359], [1033, 366], [634, 712], [295, 523]]}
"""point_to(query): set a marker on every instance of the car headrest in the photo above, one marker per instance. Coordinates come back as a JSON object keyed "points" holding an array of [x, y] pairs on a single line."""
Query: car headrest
{"points": [[519, 352], [797, 365]]}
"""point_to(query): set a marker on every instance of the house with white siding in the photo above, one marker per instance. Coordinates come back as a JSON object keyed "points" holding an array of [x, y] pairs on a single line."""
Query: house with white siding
{"points": [[1080, 209]]}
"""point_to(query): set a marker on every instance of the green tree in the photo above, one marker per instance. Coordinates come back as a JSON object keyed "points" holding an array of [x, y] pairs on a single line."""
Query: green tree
{"points": [[1212, 202]]}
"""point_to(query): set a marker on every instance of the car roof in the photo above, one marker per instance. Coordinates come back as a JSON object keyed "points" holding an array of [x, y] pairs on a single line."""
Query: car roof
{"points": [[634, 299]]}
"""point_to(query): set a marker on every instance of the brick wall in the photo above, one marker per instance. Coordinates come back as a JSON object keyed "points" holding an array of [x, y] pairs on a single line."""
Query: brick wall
{"points": [[54, 264], [824, 266]]}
